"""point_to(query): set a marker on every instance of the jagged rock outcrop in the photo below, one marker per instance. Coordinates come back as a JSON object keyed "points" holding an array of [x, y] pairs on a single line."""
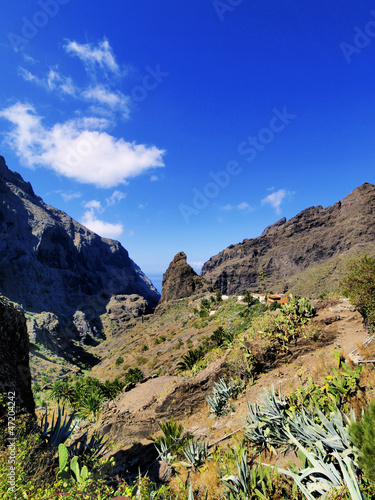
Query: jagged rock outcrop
{"points": [[15, 374], [314, 237], [52, 265], [180, 280]]}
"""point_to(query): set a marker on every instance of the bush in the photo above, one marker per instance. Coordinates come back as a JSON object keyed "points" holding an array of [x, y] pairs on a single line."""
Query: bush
{"points": [[134, 375], [119, 361], [359, 285], [362, 435], [189, 359]]}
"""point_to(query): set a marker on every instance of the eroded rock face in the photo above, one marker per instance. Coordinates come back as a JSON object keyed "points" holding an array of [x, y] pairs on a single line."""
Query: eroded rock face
{"points": [[286, 248], [127, 307], [56, 268], [180, 280], [14, 356]]}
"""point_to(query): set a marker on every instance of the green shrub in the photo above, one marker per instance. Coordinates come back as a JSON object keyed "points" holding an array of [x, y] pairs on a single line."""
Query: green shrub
{"points": [[189, 359], [134, 375], [205, 304], [362, 435], [119, 361], [359, 285]]}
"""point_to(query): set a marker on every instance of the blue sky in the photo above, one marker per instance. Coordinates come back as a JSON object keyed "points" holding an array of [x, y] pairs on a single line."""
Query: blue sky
{"points": [[191, 124]]}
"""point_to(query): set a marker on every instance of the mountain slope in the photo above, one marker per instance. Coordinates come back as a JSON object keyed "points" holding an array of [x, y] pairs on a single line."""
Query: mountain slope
{"points": [[55, 267], [315, 237]]}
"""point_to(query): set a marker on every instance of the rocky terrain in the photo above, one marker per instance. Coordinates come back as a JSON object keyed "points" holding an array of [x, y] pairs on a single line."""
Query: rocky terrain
{"points": [[304, 255], [131, 420], [61, 273], [180, 280], [15, 376]]}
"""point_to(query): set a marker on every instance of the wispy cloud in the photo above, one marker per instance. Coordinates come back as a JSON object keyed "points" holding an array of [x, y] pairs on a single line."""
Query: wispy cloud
{"points": [[78, 149], [100, 91], [94, 57], [94, 204], [52, 81], [70, 196], [115, 198], [115, 100], [275, 199], [245, 207]]}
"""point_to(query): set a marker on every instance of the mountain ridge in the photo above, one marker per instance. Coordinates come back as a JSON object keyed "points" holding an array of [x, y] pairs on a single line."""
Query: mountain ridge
{"points": [[51, 263], [284, 249]]}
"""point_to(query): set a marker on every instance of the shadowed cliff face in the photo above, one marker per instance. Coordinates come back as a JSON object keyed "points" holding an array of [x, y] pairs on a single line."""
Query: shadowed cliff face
{"points": [[180, 280], [286, 248], [50, 262], [15, 374]]}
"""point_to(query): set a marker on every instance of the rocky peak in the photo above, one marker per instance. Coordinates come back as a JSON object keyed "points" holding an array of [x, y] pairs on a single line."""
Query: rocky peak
{"points": [[180, 280], [286, 248], [14, 178], [274, 225], [49, 263]]}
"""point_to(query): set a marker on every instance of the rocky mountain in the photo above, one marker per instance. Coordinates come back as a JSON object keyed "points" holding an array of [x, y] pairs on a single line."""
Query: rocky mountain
{"points": [[15, 376], [180, 280], [60, 272], [303, 255]]}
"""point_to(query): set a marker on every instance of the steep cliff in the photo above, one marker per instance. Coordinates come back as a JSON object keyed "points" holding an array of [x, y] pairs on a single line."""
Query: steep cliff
{"points": [[58, 269], [297, 252], [15, 377], [180, 280]]}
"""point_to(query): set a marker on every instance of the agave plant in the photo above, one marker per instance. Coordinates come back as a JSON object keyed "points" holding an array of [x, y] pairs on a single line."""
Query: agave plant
{"points": [[252, 481], [222, 391], [165, 451], [266, 424], [325, 471], [196, 452], [93, 449], [59, 431]]}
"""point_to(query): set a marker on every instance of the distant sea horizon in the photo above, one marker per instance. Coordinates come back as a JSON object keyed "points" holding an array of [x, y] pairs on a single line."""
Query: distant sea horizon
{"points": [[156, 280]]}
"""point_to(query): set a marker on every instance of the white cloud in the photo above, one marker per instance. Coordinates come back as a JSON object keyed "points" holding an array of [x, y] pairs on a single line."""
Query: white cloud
{"points": [[154, 178], [116, 101], [94, 204], [244, 206], [115, 198], [275, 199], [77, 149], [53, 81], [70, 196], [227, 207], [92, 57], [104, 229]]}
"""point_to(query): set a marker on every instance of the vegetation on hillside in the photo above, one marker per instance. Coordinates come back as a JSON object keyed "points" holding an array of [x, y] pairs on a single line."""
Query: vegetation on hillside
{"points": [[359, 285], [334, 453]]}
